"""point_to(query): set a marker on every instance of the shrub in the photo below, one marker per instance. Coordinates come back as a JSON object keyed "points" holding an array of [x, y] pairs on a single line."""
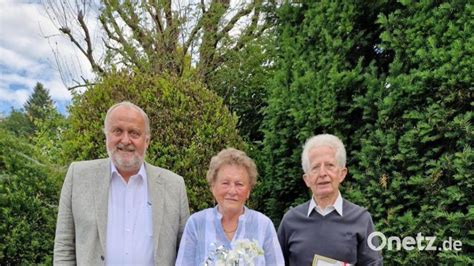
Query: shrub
{"points": [[414, 168], [403, 108], [29, 193]]}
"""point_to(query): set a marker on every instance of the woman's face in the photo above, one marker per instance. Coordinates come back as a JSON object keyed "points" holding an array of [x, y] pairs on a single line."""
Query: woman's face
{"points": [[231, 188]]}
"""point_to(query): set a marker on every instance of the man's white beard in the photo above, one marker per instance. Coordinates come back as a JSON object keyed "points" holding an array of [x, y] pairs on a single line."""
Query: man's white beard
{"points": [[123, 164]]}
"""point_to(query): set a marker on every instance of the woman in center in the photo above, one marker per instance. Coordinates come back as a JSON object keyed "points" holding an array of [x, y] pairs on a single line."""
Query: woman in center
{"points": [[231, 176]]}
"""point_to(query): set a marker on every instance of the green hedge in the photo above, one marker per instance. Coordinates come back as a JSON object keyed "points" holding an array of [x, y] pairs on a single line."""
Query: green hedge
{"points": [[394, 81], [415, 166], [29, 193]]}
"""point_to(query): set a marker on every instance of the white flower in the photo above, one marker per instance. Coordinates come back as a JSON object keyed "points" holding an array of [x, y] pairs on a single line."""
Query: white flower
{"points": [[243, 253]]}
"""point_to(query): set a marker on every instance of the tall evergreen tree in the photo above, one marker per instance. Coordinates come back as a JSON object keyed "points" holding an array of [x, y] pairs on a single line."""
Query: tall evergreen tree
{"points": [[39, 104], [38, 108]]}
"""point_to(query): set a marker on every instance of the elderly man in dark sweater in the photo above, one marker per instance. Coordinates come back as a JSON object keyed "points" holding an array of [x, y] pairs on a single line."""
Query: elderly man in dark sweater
{"points": [[327, 226]]}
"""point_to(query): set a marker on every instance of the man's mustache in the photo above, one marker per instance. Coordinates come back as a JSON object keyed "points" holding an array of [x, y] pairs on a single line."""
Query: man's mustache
{"points": [[129, 147]]}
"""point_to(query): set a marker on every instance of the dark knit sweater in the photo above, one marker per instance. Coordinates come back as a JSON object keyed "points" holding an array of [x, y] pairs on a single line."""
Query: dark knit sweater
{"points": [[343, 238]]}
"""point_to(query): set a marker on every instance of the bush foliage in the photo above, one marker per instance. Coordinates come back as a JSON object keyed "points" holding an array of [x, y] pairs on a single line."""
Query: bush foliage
{"points": [[29, 193], [189, 125], [414, 168], [394, 81], [320, 73]]}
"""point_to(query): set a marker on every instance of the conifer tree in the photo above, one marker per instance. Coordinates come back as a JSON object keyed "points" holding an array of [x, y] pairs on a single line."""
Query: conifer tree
{"points": [[39, 104]]}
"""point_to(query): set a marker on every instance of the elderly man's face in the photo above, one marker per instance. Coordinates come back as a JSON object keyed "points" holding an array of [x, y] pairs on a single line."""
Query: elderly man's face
{"points": [[324, 174], [126, 139]]}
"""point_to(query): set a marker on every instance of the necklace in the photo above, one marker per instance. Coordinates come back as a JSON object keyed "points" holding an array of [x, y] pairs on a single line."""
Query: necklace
{"points": [[229, 231]]}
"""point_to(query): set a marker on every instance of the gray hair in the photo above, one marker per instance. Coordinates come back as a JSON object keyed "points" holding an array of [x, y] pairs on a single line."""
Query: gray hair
{"points": [[231, 156], [131, 106], [323, 140]]}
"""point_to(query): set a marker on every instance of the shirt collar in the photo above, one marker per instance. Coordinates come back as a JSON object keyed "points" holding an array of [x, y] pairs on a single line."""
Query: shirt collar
{"points": [[336, 206], [219, 215], [141, 172]]}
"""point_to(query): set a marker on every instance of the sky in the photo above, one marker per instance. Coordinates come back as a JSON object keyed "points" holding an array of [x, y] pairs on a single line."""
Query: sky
{"points": [[27, 41]]}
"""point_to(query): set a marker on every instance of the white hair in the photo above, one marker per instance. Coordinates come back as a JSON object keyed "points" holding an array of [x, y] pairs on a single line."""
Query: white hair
{"points": [[323, 140], [132, 106]]}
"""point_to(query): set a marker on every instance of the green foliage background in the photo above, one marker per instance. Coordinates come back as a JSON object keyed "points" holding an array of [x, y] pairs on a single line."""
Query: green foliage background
{"points": [[242, 81], [394, 82], [29, 193], [415, 166], [30, 180]]}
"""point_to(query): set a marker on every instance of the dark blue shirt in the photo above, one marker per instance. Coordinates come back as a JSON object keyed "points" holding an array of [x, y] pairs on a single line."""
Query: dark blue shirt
{"points": [[343, 238]]}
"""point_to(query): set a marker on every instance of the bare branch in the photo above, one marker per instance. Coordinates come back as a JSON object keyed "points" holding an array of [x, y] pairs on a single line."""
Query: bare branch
{"points": [[155, 15], [81, 86], [89, 55], [132, 21], [194, 31], [118, 36], [67, 31], [230, 25]]}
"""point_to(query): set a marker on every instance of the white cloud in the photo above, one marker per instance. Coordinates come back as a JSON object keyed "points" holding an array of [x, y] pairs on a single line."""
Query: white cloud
{"points": [[16, 89], [18, 97], [57, 88], [26, 55], [21, 23], [15, 80], [14, 60]]}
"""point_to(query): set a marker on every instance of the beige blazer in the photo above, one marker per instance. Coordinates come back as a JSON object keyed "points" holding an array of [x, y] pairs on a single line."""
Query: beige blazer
{"points": [[82, 217]]}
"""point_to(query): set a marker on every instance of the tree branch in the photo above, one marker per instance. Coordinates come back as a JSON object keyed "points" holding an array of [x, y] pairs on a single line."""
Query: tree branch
{"points": [[80, 86], [128, 49], [244, 12], [132, 21], [194, 31], [210, 27], [155, 15], [89, 54]]}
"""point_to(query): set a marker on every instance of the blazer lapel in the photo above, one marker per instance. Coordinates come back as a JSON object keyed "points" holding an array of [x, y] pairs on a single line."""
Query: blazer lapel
{"points": [[156, 190], [101, 196]]}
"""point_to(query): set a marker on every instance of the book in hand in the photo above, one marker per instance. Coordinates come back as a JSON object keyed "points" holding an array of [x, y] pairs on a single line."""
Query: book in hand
{"points": [[319, 260]]}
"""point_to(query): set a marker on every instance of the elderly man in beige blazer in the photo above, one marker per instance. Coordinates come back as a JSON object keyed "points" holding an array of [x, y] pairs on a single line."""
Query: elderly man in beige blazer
{"points": [[121, 210]]}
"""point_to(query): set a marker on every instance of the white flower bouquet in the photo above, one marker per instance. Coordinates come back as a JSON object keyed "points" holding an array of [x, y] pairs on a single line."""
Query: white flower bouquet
{"points": [[243, 253]]}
